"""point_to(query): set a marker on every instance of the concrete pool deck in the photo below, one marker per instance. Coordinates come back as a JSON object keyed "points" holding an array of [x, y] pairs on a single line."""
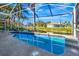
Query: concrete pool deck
{"points": [[10, 46]]}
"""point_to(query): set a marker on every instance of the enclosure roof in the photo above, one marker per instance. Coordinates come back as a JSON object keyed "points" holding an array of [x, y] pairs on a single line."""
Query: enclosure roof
{"points": [[42, 10]]}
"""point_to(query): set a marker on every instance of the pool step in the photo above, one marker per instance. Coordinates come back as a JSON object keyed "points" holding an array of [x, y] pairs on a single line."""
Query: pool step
{"points": [[72, 43]]}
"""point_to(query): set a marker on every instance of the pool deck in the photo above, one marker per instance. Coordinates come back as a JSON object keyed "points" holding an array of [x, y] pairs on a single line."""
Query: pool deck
{"points": [[10, 46]]}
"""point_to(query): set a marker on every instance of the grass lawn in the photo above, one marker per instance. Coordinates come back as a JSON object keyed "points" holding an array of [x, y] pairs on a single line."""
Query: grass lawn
{"points": [[62, 30]]}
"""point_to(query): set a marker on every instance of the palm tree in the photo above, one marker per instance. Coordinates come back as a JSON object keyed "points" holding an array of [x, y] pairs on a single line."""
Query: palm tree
{"points": [[24, 18], [41, 24], [17, 8], [32, 7], [20, 14]]}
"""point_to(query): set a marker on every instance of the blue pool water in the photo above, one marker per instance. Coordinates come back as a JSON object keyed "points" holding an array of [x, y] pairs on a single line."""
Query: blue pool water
{"points": [[52, 44]]}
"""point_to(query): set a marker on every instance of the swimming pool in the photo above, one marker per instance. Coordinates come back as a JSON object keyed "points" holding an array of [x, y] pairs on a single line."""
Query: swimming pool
{"points": [[52, 44]]}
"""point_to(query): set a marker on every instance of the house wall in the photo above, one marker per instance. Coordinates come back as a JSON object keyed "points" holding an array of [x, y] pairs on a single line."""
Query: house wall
{"points": [[77, 34], [77, 20], [50, 26], [55, 25]]}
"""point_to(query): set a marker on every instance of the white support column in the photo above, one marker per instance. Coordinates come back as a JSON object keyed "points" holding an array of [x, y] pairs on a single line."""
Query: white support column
{"points": [[74, 22]]}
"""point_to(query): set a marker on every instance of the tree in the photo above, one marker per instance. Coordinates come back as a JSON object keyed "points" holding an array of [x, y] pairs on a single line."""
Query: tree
{"points": [[20, 15], [41, 24], [7, 9]]}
